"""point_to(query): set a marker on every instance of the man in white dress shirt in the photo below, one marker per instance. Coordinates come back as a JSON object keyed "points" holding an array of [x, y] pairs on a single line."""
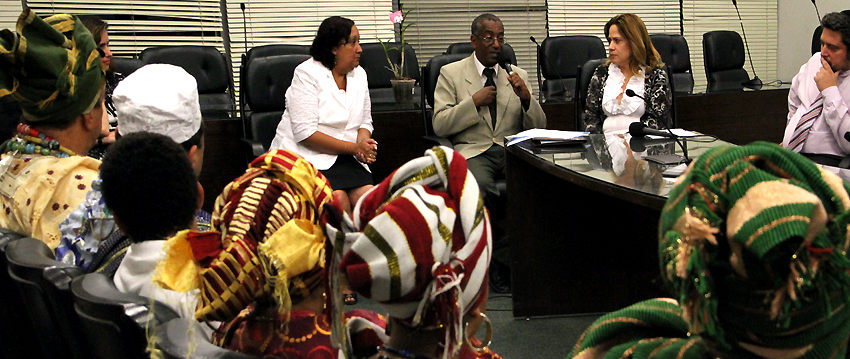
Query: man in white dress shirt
{"points": [[818, 114]]}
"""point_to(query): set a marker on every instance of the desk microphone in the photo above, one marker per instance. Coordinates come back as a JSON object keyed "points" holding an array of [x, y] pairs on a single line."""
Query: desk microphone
{"points": [[640, 130], [540, 82], [816, 9], [755, 83], [639, 144]]}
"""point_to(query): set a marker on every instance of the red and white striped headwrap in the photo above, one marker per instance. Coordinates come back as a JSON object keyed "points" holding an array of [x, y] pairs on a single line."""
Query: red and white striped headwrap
{"points": [[419, 243]]}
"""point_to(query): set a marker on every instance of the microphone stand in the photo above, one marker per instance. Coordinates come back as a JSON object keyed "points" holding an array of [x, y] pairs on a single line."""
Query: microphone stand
{"points": [[816, 9], [687, 159], [540, 83], [755, 83]]}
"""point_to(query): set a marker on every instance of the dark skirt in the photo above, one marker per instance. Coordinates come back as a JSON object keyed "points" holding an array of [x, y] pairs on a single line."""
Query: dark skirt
{"points": [[346, 173]]}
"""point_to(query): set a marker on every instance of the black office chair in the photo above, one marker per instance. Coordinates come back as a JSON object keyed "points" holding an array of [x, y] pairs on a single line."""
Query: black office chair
{"points": [[264, 84], [374, 61], [274, 50], [430, 75], [466, 48], [126, 65], [18, 341], [207, 65], [582, 83], [723, 52], [174, 341], [676, 55], [566, 55], [816, 39], [114, 322], [46, 298]]}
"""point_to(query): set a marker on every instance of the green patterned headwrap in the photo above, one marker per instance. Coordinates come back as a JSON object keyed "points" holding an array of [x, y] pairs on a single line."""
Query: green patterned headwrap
{"points": [[753, 243], [51, 66]]}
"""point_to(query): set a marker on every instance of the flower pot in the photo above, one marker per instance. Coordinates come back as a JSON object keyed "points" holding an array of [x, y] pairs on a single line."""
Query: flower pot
{"points": [[403, 91]]}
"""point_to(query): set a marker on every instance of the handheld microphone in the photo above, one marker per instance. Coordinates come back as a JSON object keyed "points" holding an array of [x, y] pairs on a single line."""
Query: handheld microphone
{"points": [[640, 129], [816, 10], [755, 83], [567, 93], [506, 64]]}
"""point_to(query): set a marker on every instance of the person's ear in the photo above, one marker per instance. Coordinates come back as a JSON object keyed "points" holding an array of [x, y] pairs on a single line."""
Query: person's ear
{"points": [[192, 153], [200, 196], [89, 122]]}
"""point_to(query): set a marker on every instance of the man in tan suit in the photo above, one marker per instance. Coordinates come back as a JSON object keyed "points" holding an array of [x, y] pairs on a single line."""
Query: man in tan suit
{"points": [[469, 94]]}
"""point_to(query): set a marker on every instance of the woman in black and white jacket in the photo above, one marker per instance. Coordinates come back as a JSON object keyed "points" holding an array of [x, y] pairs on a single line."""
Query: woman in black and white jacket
{"points": [[633, 63]]}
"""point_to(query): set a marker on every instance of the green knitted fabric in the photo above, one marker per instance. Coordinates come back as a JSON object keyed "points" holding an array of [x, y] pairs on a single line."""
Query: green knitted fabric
{"points": [[51, 67], [752, 245]]}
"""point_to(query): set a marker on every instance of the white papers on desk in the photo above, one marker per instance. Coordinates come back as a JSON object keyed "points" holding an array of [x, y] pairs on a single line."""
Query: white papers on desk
{"points": [[546, 135], [676, 131]]}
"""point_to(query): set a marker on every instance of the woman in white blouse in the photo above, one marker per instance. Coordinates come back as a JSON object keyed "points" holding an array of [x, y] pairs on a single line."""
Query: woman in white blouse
{"points": [[328, 117], [633, 63]]}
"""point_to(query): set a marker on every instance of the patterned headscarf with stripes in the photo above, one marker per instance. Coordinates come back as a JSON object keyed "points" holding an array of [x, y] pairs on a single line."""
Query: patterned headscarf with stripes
{"points": [[51, 67], [266, 243], [419, 243], [753, 246]]}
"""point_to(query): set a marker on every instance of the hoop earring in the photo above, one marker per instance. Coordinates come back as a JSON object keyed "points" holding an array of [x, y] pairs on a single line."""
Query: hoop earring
{"points": [[487, 338]]}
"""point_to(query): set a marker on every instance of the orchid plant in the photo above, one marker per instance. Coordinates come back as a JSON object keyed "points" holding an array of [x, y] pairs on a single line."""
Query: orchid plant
{"points": [[397, 18]]}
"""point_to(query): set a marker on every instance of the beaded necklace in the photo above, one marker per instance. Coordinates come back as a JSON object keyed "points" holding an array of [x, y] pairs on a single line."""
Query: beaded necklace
{"points": [[31, 141]]}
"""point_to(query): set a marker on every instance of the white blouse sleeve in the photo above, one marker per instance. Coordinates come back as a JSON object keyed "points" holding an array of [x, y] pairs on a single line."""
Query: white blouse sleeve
{"points": [[367, 112], [302, 102]]}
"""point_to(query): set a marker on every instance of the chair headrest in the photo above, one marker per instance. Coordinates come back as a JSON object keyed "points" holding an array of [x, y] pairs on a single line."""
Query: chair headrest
{"points": [[273, 50], [567, 53], [722, 50], [205, 63], [466, 48], [673, 50], [267, 79], [374, 61], [432, 72], [126, 65]]}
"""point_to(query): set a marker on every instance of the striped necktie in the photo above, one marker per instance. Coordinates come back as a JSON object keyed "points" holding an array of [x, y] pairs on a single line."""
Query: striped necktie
{"points": [[805, 125]]}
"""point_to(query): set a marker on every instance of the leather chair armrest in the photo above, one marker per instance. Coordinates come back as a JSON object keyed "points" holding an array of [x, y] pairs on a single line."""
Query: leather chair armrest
{"points": [[437, 141], [255, 146]]}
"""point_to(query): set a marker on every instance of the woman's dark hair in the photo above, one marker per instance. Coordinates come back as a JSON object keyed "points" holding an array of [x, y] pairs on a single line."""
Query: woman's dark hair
{"points": [[95, 25], [333, 31]]}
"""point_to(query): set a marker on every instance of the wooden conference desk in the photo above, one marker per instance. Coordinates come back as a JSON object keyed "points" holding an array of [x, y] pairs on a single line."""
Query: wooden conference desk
{"points": [[584, 239]]}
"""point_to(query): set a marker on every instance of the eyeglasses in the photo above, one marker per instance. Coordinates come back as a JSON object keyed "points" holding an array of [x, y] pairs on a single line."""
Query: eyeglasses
{"points": [[489, 40]]}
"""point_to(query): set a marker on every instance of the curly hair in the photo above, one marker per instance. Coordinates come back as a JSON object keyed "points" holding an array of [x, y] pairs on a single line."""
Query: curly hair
{"points": [[149, 185], [334, 31]]}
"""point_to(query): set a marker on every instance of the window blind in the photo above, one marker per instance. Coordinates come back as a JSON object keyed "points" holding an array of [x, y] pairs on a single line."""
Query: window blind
{"points": [[9, 12], [440, 23], [760, 22], [267, 22], [135, 25], [588, 17]]}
